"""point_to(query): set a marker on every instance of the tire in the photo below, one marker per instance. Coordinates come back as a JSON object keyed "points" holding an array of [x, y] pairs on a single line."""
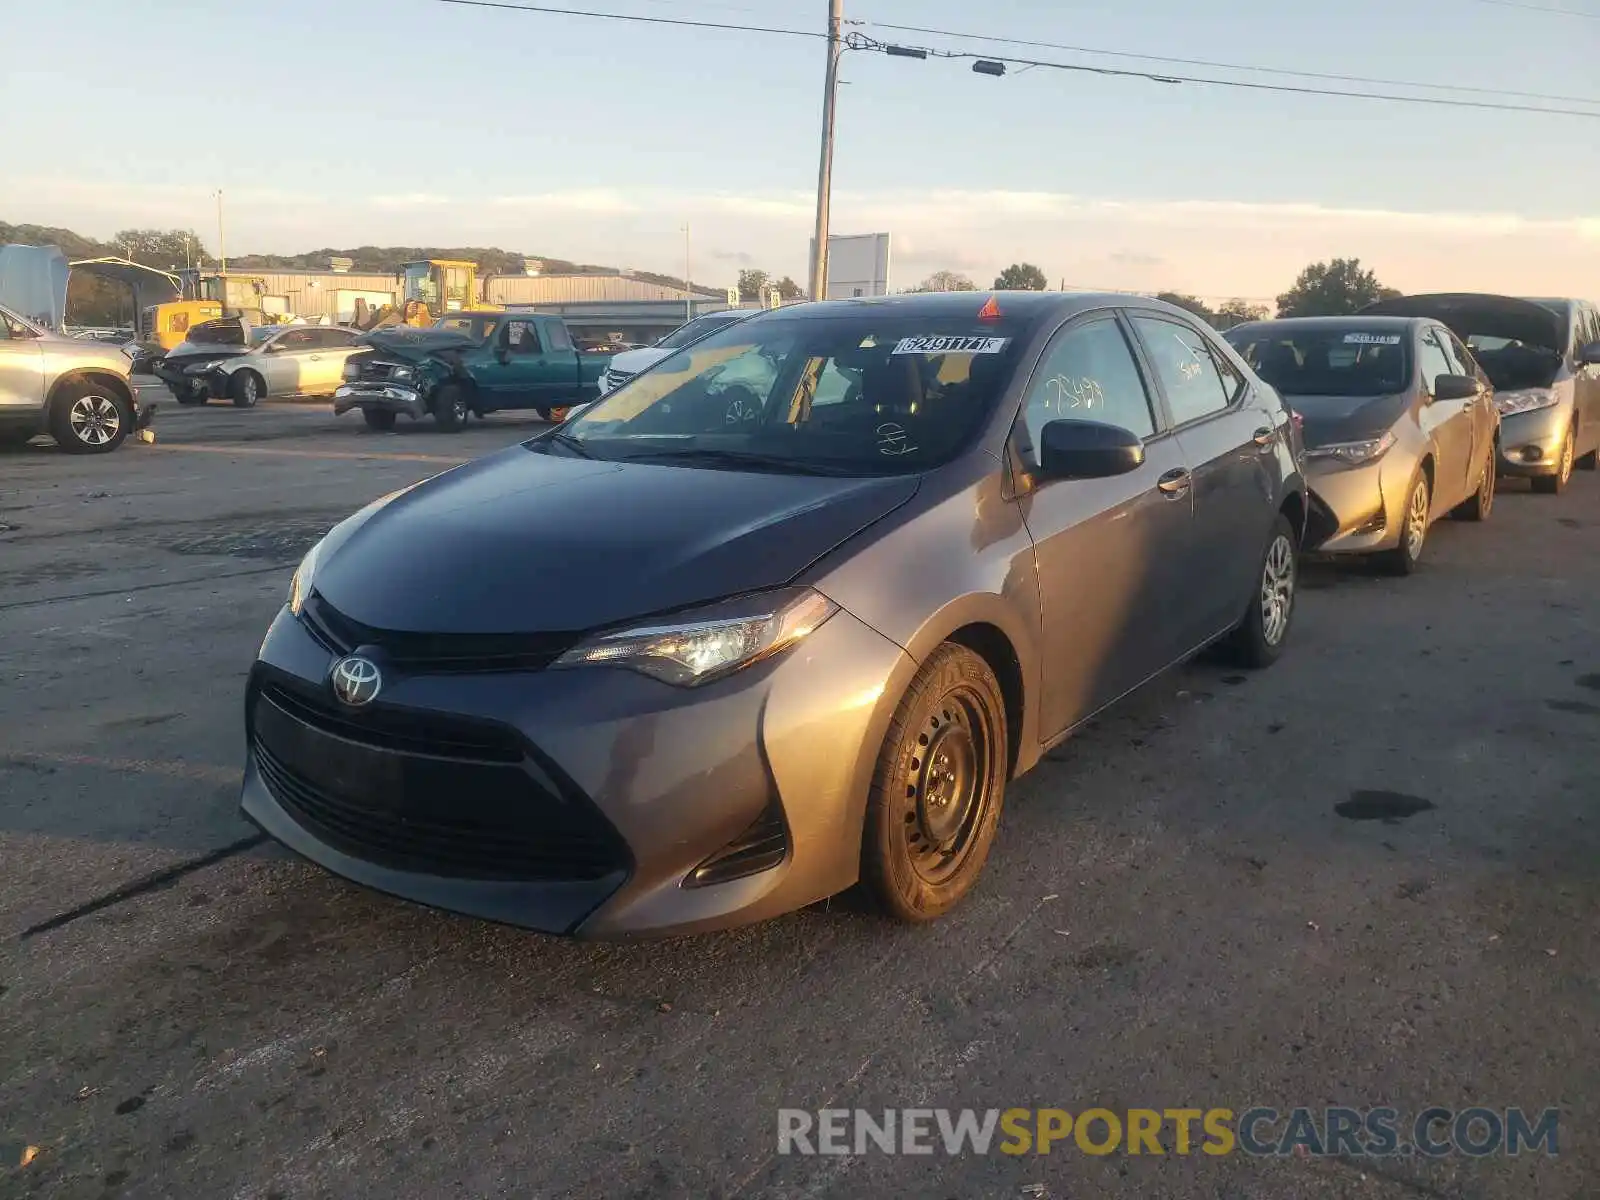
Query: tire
{"points": [[89, 419], [189, 395], [1481, 503], [555, 415], [1589, 462], [1403, 559], [1554, 485], [1259, 638], [380, 419], [947, 741], [246, 388], [450, 408]]}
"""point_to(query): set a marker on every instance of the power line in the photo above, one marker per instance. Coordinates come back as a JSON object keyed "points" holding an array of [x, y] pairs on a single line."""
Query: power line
{"points": [[1542, 8], [615, 16], [859, 41], [1228, 66]]}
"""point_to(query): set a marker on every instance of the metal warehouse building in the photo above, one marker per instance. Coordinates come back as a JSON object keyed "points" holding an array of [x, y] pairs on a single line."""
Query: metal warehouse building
{"points": [[331, 294], [608, 307]]}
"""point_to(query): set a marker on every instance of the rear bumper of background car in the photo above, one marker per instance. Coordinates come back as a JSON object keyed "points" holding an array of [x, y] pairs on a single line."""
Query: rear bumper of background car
{"points": [[1530, 442], [592, 802]]}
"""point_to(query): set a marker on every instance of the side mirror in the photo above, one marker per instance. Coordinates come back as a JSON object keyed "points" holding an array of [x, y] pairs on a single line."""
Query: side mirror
{"points": [[1455, 387], [1589, 356], [1088, 450]]}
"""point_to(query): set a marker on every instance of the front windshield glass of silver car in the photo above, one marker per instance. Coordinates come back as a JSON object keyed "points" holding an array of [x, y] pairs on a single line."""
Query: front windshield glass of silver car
{"points": [[860, 394], [1341, 360]]}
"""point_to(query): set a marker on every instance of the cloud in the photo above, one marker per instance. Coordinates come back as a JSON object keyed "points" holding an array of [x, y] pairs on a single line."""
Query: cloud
{"points": [[1136, 258], [582, 200], [743, 258]]}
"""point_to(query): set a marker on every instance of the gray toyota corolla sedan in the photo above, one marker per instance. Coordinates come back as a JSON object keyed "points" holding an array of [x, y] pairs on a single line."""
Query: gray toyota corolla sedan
{"points": [[783, 614], [1399, 426]]}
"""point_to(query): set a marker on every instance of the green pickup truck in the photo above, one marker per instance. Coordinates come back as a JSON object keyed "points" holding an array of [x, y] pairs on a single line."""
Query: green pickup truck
{"points": [[465, 363]]}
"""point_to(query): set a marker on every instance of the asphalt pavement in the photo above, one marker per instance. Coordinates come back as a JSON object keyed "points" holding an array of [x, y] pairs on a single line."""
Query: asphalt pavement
{"points": [[1365, 877]]}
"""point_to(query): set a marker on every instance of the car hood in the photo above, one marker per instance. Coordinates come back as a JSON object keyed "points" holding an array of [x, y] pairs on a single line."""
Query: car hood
{"points": [[1330, 419], [1467, 313], [631, 362], [527, 542], [414, 345], [185, 353]]}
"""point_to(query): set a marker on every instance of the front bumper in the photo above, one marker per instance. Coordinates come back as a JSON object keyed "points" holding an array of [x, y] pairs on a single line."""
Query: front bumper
{"points": [[387, 397], [625, 785], [1530, 442], [182, 384], [1356, 509]]}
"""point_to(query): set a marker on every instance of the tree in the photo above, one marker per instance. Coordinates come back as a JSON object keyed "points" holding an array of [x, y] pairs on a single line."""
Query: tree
{"points": [[1332, 289], [788, 288], [1183, 300], [753, 284], [946, 281], [163, 249], [1024, 277], [1236, 312]]}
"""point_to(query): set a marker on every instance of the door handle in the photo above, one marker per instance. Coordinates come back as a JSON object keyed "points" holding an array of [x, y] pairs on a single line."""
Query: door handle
{"points": [[1174, 484], [1264, 437]]}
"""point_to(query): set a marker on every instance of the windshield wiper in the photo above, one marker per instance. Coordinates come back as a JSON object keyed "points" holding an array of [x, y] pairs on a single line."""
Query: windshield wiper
{"points": [[571, 443], [743, 458]]}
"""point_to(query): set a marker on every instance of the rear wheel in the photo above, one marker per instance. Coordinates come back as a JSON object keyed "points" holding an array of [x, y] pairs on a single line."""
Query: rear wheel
{"points": [[1403, 559], [89, 419], [1481, 503], [450, 408], [1259, 638], [246, 389], [1554, 485], [938, 789], [380, 419]]}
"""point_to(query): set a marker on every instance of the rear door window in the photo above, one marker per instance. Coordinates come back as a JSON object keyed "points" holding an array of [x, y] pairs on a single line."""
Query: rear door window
{"points": [[1193, 381]]}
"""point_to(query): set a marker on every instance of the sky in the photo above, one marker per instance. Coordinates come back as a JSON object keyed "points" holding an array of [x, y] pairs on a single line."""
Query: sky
{"points": [[418, 122]]}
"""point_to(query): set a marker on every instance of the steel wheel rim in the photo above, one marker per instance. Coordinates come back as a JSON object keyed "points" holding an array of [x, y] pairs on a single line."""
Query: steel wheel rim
{"points": [[250, 388], [1277, 590], [1417, 520], [95, 420], [949, 793]]}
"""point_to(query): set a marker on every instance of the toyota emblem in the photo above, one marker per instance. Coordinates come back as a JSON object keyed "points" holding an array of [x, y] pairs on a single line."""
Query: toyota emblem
{"points": [[356, 680]]}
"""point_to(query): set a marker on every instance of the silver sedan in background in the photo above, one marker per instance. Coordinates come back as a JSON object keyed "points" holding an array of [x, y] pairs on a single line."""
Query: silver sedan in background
{"points": [[1543, 357], [1399, 425]]}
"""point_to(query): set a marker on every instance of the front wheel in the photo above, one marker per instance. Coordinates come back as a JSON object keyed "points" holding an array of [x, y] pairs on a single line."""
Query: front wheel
{"points": [[1258, 640], [1403, 559], [938, 788], [1554, 485], [380, 419], [87, 419], [1481, 503], [245, 389], [450, 408]]}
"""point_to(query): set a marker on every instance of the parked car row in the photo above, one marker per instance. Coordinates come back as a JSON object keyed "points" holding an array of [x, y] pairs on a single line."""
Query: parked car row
{"points": [[787, 611]]}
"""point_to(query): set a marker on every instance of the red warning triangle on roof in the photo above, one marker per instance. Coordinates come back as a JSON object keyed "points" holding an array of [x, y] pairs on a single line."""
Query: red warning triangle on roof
{"points": [[990, 311]]}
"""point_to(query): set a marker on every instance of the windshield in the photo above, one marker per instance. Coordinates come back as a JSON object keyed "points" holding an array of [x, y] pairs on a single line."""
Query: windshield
{"points": [[1345, 360], [476, 328], [692, 332], [860, 394], [218, 333]]}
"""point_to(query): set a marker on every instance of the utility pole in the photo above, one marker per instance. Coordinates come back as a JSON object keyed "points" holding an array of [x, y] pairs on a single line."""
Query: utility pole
{"points": [[819, 254], [688, 295], [222, 245]]}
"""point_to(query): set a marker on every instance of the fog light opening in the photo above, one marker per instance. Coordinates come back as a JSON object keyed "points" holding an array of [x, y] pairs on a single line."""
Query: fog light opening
{"points": [[1532, 454], [764, 845]]}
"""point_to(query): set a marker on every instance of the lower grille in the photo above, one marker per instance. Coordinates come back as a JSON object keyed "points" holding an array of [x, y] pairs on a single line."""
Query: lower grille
{"points": [[436, 807]]}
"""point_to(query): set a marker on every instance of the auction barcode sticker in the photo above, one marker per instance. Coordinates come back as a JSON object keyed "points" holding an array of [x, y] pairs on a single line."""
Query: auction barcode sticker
{"points": [[1372, 339], [951, 345]]}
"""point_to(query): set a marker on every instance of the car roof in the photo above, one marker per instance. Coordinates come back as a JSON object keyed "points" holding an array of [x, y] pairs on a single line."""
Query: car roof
{"points": [[1027, 308], [1396, 324]]}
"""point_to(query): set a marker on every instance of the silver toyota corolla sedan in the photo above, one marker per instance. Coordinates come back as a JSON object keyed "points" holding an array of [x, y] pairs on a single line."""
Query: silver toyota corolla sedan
{"points": [[1399, 426]]}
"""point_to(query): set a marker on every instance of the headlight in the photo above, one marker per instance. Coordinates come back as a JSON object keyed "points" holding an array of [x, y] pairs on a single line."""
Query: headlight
{"points": [[1525, 400], [708, 643], [401, 374], [1354, 452], [305, 575], [352, 370]]}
